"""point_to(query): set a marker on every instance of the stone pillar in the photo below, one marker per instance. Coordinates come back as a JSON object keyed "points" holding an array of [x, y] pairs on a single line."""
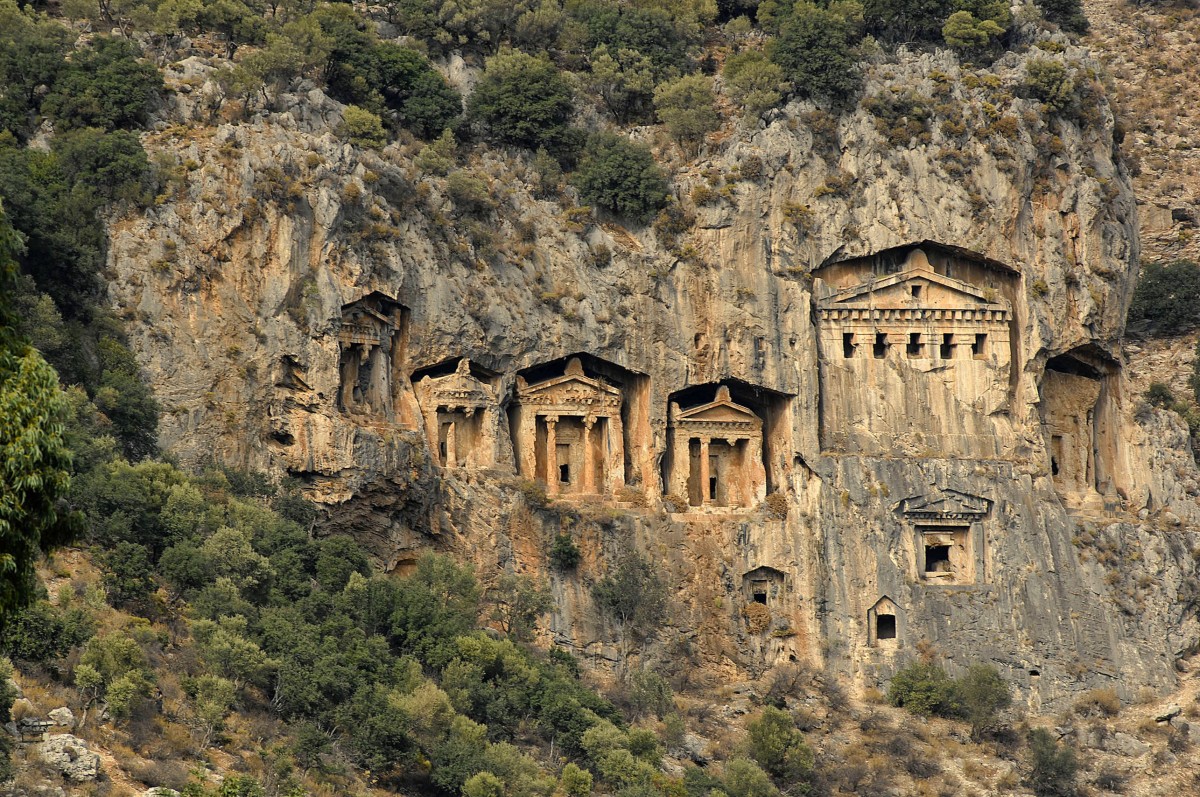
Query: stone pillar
{"points": [[488, 432], [705, 496], [614, 454], [451, 445], [589, 458], [551, 455], [349, 375]]}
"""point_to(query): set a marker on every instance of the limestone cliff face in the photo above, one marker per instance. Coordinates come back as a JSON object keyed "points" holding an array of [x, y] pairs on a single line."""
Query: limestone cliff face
{"points": [[984, 485]]}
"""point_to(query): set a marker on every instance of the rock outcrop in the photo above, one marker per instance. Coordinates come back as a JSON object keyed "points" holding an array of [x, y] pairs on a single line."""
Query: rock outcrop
{"points": [[898, 339]]}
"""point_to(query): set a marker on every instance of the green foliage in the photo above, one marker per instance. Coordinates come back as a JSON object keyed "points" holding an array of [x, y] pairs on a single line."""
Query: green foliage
{"points": [[524, 101], [901, 21], [1050, 82], [815, 49], [1052, 766], [438, 156], [469, 192], [34, 460], [128, 574], [1159, 395], [621, 177], [8, 695], [969, 35], [633, 594], [754, 81], [575, 782], [649, 693], [687, 106], [422, 99], [982, 694], [32, 50], [623, 80], [745, 778], [360, 126], [518, 602], [564, 553], [1168, 296], [42, 632], [924, 688], [775, 743], [900, 115], [104, 86], [662, 36], [1066, 13]]}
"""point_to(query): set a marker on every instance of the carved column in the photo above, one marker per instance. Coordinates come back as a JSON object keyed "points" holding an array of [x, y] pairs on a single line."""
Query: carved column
{"points": [[613, 443], [451, 445], [349, 375], [705, 496], [589, 458], [551, 455]]}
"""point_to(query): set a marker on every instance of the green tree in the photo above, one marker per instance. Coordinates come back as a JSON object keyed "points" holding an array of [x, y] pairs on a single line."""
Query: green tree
{"points": [[968, 35], [621, 177], [1050, 82], [634, 596], [8, 696], [1066, 13], [32, 53], [1052, 766], [34, 460], [1168, 296], [128, 575], [923, 688], [105, 86], [901, 21], [816, 50], [746, 779], [518, 603], [524, 101], [687, 107], [776, 744], [754, 81], [982, 694], [424, 102], [360, 126], [623, 80]]}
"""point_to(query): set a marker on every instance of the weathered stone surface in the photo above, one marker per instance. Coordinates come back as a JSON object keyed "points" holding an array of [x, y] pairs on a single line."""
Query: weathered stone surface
{"points": [[70, 756], [1074, 571], [62, 716]]}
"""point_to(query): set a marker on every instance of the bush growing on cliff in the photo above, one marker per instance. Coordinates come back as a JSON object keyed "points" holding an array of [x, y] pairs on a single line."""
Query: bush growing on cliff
{"points": [[924, 688], [775, 743], [105, 86], [815, 49], [621, 177], [1168, 296], [1052, 766], [525, 101]]}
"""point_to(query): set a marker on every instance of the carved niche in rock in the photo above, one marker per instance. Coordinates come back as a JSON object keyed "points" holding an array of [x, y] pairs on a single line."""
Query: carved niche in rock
{"points": [[910, 354], [567, 432], [372, 342], [948, 536], [763, 585], [716, 453], [884, 622], [1079, 419], [460, 409]]}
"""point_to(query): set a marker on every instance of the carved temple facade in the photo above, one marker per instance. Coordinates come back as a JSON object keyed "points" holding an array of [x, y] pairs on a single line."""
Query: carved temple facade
{"points": [[716, 453], [567, 433], [461, 414], [372, 343]]}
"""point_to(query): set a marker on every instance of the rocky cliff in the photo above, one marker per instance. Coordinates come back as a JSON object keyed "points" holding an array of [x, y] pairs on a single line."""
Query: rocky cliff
{"points": [[989, 487]]}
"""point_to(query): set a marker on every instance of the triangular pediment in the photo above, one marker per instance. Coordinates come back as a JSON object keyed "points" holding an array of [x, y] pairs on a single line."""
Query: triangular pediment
{"points": [[897, 291], [945, 504], [569, 385], [718, 412]]}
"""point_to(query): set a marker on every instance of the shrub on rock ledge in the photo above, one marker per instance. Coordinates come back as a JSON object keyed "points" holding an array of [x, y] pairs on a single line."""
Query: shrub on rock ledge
{"points": [[621, 177]]}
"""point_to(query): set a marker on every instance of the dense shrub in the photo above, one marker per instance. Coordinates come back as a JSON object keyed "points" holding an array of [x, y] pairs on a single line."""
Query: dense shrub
{"points": [[564, 553], [754, 81], [815, 49], [924, 688], [1050, 82], [1067, 13], [1168, 296], [1052, 766], [360, 126], [524, 101], [981, 695], [687, 107], [633, 594], [621, 177], [42, 632], [32, 50], [775, 743], [422, 99], [902, 21], [104, 86]]}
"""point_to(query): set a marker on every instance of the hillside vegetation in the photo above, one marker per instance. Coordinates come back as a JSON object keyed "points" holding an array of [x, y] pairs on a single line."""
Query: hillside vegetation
{"points": [[207, 638]]}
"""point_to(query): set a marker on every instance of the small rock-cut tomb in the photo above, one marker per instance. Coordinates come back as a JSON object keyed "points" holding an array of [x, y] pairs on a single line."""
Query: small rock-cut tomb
{"points": [[460, 411], [371, 340]]}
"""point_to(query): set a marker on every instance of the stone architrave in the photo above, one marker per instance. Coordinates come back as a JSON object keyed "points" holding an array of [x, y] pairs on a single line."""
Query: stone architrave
{"points": [[568, 433], [717, 453], [461, 418], [371, 346]]}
